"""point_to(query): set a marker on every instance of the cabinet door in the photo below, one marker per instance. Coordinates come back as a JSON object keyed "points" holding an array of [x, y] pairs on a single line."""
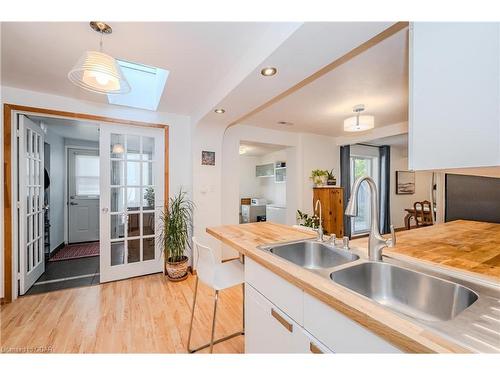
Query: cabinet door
{"points": [[268, 329], [454, 95]]}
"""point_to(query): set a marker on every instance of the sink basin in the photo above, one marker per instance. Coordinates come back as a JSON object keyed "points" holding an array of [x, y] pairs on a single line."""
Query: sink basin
{"points": [[313, 254], [409, 292]]}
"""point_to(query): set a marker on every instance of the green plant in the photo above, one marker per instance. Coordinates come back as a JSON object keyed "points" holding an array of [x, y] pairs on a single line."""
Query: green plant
{"points": [[149, 196], [330, 175], [176, 226], [306, 220], [318, 173]]}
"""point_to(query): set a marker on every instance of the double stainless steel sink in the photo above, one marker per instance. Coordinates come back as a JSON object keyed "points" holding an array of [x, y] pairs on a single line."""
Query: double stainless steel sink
{"points": [[460, 307]]}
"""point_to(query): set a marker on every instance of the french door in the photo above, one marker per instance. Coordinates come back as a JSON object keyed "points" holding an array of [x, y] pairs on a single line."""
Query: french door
{"points": [[131, 200], [31, 210]]}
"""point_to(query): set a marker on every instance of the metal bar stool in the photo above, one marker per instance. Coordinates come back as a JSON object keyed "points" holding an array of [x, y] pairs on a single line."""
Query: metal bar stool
{"points": [[219, 276]]}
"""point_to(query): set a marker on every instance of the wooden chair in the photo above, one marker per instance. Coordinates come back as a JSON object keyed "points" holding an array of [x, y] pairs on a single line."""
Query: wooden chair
{"points": [[423, 213]]}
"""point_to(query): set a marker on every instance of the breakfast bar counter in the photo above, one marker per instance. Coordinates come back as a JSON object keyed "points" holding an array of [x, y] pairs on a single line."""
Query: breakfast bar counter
{"points": [[468, 248]]}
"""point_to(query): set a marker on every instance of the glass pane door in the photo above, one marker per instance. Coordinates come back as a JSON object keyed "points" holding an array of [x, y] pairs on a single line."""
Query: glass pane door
{"points": [[31, 193], [132, 199]]}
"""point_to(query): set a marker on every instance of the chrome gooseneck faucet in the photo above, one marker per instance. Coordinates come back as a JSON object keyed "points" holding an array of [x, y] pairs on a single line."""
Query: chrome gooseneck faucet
{"points": [[320, 228], [375, 242]]}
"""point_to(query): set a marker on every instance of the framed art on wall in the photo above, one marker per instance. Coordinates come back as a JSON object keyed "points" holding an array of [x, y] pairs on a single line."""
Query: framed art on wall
{"points": [[207, 158], [405, 182]]}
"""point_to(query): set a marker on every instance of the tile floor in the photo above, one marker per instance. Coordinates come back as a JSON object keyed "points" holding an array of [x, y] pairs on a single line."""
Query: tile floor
{"points": [[71, 270]]}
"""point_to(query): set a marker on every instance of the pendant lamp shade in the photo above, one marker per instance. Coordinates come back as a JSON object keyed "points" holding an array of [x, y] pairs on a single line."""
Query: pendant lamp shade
{"points": [[100, 73], [359, 123]]}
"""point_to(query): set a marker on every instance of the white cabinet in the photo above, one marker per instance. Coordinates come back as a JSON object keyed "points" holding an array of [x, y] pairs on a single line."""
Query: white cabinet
{"points": [[269, 330], [281, 318], [454, 95], [286, 296], [264, 170], [339, 333]]}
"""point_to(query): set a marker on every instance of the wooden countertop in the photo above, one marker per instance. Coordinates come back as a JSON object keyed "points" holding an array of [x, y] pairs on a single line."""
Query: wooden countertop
{"points": [[472, 247], [463, 236]]}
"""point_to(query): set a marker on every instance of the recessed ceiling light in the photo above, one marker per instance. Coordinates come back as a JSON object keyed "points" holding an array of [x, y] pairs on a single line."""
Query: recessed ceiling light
{"points": [[268, 71], [219, 110], [285, 123]]}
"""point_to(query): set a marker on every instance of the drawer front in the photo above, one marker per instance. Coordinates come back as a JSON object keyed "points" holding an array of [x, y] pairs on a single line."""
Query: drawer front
{"points": [[338, 332], [268, 329], [284, 295]]}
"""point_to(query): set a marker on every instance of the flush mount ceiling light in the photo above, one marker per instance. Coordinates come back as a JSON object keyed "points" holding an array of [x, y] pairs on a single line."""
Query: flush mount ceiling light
{"points": [[243, 150], [98, 72], [219, 110], [268, 71], [359, 123]]}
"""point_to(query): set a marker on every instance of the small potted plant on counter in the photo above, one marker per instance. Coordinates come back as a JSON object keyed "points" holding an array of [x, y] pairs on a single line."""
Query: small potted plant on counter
{"points": [[175, 234], [330, 178], [305, 220], [318, 177]]}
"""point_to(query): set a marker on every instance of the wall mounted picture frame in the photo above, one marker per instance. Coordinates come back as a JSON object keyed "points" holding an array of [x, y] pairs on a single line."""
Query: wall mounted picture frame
{"points": [[207, 158], [405, 182]]}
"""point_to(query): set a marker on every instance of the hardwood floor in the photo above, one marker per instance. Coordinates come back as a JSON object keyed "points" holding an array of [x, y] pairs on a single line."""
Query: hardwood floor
{"points": [[147, 314]]}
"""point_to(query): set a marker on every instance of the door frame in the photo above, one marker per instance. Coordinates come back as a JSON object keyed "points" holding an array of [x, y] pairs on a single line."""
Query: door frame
{"points": [[10, 112]]}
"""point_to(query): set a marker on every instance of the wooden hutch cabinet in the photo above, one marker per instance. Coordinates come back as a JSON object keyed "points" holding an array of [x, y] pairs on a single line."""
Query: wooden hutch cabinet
{"points": [[332, 207]]}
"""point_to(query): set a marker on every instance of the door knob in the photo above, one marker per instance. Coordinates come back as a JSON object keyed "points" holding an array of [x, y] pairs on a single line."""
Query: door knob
{"points": [[73, 204], [105, 210]]}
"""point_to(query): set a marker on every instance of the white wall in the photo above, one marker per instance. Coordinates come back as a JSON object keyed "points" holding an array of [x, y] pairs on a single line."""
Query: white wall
{"points": [[249, 184], [273, 192], [57, 186], [318, 152], [180, 130], [399, 162]]}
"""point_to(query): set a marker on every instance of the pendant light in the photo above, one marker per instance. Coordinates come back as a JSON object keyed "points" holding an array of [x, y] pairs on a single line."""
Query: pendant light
{"points": [[98, 72], [359, 123]]}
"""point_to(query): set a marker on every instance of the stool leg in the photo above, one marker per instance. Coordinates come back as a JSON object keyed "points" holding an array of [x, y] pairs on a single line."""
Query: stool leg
{"points": [[243, 288], [216, 298], [192, 316]]}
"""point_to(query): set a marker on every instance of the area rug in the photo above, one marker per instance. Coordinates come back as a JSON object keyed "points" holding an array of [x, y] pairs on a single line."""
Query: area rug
{"points": [[79, 250]]}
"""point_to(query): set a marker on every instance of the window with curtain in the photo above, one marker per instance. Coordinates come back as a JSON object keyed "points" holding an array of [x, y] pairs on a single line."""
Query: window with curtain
{"points": [[87, 175]]}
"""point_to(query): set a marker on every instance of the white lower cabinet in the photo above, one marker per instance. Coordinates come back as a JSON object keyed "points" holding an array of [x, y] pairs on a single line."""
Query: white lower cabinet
{"points": [[281, 318], [269, 330]]}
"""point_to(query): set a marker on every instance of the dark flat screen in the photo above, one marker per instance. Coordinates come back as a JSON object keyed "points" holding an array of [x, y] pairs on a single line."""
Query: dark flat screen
{"points": [[472, 198]]}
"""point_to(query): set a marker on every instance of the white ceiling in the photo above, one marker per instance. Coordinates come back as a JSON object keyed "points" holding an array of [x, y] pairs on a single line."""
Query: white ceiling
{"points": [[377, 78], [74, 129], [400, 141], [199, 55], [259, 149]]}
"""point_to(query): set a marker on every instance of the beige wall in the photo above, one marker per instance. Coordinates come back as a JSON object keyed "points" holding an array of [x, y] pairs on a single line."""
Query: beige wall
{"points": [[399, 161]]}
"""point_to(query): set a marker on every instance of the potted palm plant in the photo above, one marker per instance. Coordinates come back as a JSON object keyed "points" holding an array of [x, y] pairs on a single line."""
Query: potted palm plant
{"points": [[174, 235]]}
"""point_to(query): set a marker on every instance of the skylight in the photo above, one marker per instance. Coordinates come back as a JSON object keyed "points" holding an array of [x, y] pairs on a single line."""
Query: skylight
{"points": [[147, 83]]}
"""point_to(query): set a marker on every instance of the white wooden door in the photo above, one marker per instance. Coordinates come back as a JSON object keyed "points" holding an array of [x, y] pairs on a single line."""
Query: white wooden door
{"points": [[31, 192], [83, 188], [131, 200]]}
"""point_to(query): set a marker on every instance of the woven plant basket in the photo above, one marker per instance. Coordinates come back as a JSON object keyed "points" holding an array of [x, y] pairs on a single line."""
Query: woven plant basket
{"points": [[177, 271]]}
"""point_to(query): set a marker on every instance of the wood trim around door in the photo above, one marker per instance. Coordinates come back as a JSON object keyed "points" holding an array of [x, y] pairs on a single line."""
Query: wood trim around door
{"points": [[8, 183]]}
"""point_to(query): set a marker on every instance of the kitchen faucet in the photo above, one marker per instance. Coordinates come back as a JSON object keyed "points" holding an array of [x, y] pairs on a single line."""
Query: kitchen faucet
{"points": [[320, 228], [375, 242]]}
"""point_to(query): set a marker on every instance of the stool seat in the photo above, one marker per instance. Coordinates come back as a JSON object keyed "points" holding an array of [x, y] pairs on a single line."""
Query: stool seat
{"points": [[229, 274]]}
